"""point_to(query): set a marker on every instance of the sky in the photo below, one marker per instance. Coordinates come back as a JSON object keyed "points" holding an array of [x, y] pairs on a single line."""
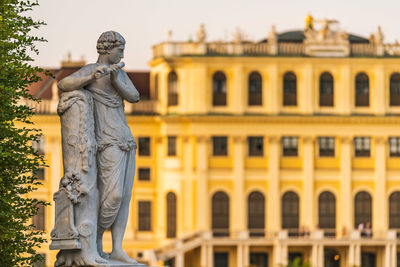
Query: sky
{"points": [[75, 25]]}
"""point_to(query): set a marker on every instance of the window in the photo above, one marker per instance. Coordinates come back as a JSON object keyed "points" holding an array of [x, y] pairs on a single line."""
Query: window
{"points": [[39, 220], [220, 145], [220, 214], [39, 174], [144, 146], [219, 89], [256, 213], [290, 210], [362, 90], [290, 146], [326, 90], [171, 145], [362, 209], [144, 215], [362, 146], [289, 89], [171, 215], [255, 89], [394, 210], [144, 174], [326, 146], [172, 89], [395, 89], [394, 146], [327, 212], [256, 146], [39, 145]]}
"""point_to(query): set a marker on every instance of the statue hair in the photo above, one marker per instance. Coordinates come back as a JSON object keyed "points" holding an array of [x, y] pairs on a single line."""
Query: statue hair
{"points": [[108, 40]]}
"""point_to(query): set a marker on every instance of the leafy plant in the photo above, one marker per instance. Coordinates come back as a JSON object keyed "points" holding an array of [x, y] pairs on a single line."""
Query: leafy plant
{"points": [[18, 159], [297, 262]]}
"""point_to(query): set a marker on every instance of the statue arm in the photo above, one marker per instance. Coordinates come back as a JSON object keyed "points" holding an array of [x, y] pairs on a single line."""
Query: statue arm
{"points": [[126, 88], [78, 79]]}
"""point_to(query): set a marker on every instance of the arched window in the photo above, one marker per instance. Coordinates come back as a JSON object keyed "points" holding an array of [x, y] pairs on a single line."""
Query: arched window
{"points": [[362, 209], [327, 212], [171, 215], [289, 89], [156, 86], [256, 213], [395, 89], [394, 210], [172, 89], [326, 90], [362, 90], [290, 210], [220, 214], [255, 89], [219, 89]]}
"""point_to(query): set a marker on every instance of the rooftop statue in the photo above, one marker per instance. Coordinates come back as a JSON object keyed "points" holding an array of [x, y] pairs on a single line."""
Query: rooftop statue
{"points": [[99, 160]]}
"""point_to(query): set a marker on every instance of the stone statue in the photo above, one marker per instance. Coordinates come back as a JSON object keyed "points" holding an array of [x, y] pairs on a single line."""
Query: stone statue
{"points": [[99, 160]]}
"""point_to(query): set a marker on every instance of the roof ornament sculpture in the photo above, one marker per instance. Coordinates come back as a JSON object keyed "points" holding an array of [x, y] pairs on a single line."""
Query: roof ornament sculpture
{"points": [[201, 34]]}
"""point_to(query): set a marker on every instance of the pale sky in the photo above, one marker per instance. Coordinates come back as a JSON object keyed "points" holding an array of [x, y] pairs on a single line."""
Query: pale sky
{"points": [[75, 25]]}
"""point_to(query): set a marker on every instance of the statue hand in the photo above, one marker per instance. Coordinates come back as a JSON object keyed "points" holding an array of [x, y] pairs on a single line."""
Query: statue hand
{"points": [[114, 70], [99, 72]]}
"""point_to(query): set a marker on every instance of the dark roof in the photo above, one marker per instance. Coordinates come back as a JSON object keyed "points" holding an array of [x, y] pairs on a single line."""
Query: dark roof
{"points": [[298, 37], [42, 89]]}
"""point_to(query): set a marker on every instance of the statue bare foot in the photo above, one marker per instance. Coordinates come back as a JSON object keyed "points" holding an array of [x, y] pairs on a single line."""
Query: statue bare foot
{"points": [[120, 255], [100, 259]]}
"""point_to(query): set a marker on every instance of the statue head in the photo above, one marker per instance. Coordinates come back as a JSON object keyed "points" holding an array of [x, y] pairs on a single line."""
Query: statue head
{"points": [[111, 44]]}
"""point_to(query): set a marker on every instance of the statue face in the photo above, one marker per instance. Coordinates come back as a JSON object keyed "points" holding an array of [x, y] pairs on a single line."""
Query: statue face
{"points": [[116, 54]]}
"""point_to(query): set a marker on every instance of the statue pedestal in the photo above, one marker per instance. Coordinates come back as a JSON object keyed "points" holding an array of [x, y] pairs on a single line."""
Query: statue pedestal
{"points": [[119, 264]]}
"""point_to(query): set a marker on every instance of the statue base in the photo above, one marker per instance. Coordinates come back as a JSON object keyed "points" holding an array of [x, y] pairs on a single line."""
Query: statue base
{"points": [[120, 264]]}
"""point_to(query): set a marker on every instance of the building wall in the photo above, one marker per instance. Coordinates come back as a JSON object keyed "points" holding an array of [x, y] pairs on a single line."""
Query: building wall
{"points": [[194, 174]]}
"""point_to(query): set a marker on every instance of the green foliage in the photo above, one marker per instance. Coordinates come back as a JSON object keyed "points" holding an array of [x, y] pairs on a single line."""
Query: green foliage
{"points": [[18, 160], [298, 263]]}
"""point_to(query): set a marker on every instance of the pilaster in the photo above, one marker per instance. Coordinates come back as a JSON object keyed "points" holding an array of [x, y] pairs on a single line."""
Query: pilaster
{"points": [[188, 193], [239, 212], [380, 205], [203, 206], [346, 218], [160, 219], [274, 201], [307, 202]]}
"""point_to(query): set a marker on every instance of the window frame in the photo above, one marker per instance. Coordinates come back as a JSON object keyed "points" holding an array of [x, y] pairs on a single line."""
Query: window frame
{"points": [[219, 152]]}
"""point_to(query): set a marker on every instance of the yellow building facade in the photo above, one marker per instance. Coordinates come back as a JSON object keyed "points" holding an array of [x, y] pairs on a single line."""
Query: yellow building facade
{"points": [[257, 153]]}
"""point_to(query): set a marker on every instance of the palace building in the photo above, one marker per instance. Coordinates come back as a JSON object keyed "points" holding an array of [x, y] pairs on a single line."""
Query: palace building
{"points": [[255, 153]]}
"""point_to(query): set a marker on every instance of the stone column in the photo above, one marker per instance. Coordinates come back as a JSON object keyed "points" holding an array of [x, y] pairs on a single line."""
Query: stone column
{"points": [[284, 255], [320, 262], [203, 207], [203, 256], [380, 205], [239, 198], [161, 228], [277, 252], [307, 202], [239, 254], [357, 255], [346, 201], [351, 255], [314, 255], [246, 255], [210, 256], [188, 194], [394, 255], [274, 200], [387, 256]]}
